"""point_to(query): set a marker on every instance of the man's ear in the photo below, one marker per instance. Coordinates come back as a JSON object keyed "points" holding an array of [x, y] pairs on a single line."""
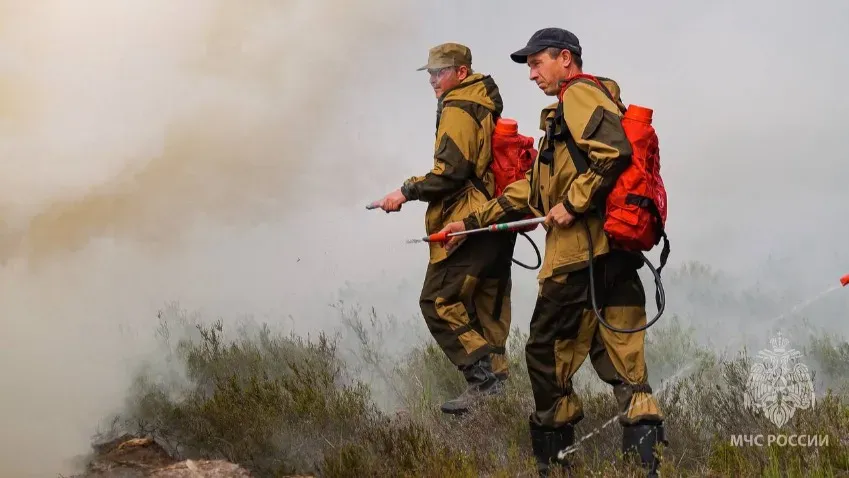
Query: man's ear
{"points": [[566, 55]]}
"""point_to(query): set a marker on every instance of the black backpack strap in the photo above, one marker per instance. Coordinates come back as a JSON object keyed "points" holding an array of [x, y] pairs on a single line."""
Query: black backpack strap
{"points": [[579, 157], [664, 253], [476, 181]]}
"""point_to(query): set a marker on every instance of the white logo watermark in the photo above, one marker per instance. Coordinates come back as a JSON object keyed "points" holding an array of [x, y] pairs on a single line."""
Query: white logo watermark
{"points": [[780, 440], [778, 386]]}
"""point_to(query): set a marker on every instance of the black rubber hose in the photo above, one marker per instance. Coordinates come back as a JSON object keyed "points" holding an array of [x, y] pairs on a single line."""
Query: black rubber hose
{"points": [[660, 296], [539, 257]]}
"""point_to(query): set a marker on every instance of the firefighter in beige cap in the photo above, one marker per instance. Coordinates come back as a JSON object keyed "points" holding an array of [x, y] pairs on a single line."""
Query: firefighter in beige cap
{"points": [[465, 298]]}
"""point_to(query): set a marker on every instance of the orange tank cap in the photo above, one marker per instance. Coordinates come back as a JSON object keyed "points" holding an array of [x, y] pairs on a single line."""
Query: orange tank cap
{"points": [[639, 113], [506, 127]]}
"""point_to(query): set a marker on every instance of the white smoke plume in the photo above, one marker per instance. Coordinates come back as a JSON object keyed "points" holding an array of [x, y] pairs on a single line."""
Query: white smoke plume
{"points": [[134, 135]]}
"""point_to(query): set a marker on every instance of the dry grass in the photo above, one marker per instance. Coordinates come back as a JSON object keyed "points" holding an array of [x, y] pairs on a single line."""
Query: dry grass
{"points": [[281, 404]]}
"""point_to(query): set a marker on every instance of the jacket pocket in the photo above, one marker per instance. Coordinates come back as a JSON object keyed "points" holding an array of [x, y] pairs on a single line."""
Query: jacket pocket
{"points": [[570, 246], [629, 214]]}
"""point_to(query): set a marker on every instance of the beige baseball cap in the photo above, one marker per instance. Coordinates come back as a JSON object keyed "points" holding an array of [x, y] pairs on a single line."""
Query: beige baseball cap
{"points": [[448, 54]]}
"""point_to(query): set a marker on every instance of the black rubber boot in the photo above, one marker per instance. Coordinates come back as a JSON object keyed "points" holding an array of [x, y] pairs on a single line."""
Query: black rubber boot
{"points": [[642, 439], [547, 442], [482, 382]]}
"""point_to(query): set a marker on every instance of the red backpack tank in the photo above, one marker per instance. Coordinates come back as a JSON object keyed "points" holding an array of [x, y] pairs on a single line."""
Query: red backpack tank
{"points": [[513, 154], [636, 208]]}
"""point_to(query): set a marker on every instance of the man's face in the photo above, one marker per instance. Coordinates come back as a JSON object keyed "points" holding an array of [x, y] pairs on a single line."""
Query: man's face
{"points": [[443, 79], [548, 72]]}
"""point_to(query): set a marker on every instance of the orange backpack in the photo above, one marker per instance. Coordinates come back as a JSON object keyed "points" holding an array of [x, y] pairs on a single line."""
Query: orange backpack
{"points": [[635, 209], [513, 154]]}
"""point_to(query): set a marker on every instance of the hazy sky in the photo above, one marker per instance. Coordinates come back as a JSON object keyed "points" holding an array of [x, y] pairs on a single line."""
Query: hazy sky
{"points": [[220, 154]]}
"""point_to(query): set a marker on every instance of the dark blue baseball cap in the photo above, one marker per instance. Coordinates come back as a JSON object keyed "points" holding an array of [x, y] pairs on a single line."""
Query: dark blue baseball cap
{"points": [[547, 38]]}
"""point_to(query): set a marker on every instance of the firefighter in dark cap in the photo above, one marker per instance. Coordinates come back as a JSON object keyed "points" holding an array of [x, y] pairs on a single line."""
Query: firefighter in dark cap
{"points": [[564, 330]]}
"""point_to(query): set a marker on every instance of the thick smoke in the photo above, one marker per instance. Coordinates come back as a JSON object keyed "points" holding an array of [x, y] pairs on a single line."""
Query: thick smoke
{"points": [[133, 118], [138, 139]]}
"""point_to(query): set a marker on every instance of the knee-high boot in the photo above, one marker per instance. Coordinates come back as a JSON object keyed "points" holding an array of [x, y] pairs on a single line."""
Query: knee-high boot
{"points": [[547, 442], [641, 439]]}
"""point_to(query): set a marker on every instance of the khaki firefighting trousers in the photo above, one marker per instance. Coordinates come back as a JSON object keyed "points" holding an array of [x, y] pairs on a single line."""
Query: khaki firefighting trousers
{"points": [[465, 300], [564, 330]]}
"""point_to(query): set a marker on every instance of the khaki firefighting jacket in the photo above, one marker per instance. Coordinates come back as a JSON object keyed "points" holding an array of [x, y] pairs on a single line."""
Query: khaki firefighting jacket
{"points": [[465, 122], [595, 124]]}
